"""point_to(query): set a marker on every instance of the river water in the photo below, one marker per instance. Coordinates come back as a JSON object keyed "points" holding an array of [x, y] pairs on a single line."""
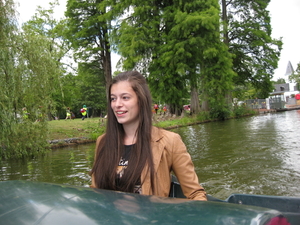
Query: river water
{"points": [[251, 155]]}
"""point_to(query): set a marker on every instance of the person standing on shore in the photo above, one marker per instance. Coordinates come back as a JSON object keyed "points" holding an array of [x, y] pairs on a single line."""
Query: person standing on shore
{"points": [[68, 113], [83, 111], [134, 156], [165, 109], [156, 108]]}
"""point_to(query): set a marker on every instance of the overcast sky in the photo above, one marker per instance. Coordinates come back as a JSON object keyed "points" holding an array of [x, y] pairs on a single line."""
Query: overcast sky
{"points": [[285, 16]]}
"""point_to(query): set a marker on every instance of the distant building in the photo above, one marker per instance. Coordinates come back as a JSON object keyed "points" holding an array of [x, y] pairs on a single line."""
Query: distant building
{"points": [[284, 92]]}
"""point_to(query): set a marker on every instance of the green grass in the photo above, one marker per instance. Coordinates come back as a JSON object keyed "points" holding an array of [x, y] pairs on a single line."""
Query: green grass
{"points": [[62, 129], [93, 127]]}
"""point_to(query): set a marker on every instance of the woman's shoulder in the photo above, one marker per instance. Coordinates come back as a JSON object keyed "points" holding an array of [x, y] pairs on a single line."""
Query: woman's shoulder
{"points": [[168, 140], [160, 133], [101, 136]]}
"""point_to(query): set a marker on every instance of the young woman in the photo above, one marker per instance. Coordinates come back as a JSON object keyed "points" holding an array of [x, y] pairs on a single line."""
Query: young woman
{"points": [[134, 156]]}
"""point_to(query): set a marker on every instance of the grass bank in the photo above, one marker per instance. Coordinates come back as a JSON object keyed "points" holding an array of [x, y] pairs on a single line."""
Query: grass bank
{"points": [[90, 128], [76, 128]]}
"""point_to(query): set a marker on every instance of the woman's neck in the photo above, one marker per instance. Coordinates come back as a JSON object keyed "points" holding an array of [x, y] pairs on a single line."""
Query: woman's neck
{"points": [[130, 135]]}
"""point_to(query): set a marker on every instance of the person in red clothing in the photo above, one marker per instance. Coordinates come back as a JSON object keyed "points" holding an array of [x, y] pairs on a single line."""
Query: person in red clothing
{"points": [[165, 109], [156, 108]]}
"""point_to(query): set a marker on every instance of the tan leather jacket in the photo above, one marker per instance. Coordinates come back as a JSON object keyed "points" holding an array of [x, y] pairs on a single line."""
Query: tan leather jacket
{"points": [[170, 154]]}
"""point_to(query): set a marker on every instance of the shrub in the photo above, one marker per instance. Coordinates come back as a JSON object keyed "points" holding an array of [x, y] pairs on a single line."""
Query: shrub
{"points": [[219, 112]]}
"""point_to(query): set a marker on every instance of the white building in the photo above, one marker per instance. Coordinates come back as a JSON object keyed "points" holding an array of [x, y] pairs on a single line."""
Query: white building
{"points": [[283, 92]]}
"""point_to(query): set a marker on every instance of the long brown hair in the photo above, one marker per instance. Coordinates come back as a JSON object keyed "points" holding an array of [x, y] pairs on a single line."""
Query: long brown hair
{"points": [[111, 147]]}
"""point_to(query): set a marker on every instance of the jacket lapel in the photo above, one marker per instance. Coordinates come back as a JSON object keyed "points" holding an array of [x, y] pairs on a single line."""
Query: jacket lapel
{"points": [[157, 150], [157, 147]]}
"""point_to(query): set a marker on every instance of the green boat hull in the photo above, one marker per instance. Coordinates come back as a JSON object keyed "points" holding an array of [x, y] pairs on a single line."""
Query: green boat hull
{"points": [[288, 206], [26, 202]]}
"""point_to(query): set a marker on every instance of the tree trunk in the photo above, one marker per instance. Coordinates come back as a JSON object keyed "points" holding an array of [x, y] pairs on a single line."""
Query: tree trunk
{"points": [[195, 106], [204, 98], [225, 23], [204, 106], [228, 99], [107, 69], [173, 109], [106, 59]]}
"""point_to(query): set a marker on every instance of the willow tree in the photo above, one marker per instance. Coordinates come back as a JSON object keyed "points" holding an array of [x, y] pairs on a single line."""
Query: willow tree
{"points": [[25, 78], [41, 75], [247, 33], [44, 27], [9, 79]]}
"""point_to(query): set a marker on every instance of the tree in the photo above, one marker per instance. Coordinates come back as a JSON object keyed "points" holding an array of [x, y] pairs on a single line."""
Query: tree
{"points": [[143, 41], [169, 42], [247, 32], [91, 82], [25, 80], [217, 79], [89, 34], [43, 26], [295, 77], [279, 81]]}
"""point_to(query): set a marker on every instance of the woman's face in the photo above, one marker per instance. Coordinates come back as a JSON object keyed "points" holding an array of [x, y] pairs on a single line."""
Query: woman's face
{"points": [[124, 103]]}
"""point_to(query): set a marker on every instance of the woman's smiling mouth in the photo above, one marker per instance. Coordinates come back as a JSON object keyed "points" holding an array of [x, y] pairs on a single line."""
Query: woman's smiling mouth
{"points": [[121, 112]]}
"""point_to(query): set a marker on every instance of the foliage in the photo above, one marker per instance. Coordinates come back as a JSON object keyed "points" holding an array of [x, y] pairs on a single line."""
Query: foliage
{"points": [[240, 110], [91, 83], [218, 75], [279, 81], [296, 76], [25, 82], [43, 26], [173, 43], [88, 34], [219, 112], [25, 139], [203, 116], [256, 53]]}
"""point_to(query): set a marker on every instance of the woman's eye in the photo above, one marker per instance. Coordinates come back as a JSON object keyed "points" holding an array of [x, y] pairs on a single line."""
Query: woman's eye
{"points": [[112, 99], [125, 97]]}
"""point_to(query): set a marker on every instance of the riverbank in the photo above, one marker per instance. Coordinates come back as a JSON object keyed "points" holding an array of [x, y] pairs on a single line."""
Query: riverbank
{"points": [[63, 133]]}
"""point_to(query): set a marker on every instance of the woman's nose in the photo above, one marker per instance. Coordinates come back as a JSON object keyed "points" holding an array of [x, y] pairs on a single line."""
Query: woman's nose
{"points": [[119, 102]]}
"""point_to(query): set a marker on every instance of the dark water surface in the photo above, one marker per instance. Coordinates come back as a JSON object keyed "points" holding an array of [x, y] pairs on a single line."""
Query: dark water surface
{"points": [[252, 155]]}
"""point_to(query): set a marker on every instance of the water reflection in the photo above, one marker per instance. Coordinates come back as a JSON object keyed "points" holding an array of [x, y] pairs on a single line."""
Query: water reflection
{"points": [[254, 155], [63, 166]]}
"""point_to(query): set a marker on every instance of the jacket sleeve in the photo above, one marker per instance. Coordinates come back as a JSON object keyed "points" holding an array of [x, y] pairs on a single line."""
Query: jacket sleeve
{"points": [[184, 170]]}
